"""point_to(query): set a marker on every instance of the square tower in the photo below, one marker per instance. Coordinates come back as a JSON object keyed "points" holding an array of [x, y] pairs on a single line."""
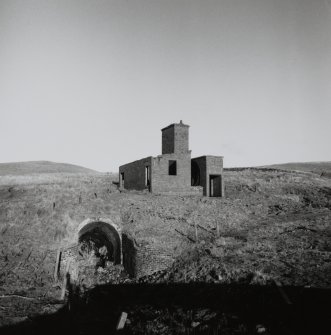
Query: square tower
{"points": [[175, 139]]}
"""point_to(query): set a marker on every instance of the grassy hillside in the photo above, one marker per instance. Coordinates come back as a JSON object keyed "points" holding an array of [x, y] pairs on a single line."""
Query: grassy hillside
{"points": [[38, 167], [271, 225], [315, 167]]}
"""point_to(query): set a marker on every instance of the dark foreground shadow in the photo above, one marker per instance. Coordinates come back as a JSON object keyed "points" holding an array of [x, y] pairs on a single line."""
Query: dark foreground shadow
{"points": [[306, 311]]}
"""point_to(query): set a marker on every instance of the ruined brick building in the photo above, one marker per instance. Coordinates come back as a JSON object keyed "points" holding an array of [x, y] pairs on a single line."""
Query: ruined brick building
{"points": [[174, 171]]}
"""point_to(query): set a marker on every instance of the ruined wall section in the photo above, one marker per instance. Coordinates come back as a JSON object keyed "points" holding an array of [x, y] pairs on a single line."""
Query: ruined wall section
{"points": [[156, 256], [215, 167], [214, 164], [168, 143], [134, 174], [162, 182], [151, 259], [209, 165], [181, 138], [175, 139]]}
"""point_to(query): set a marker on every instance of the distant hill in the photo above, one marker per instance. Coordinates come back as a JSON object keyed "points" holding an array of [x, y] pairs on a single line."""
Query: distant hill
{"points": [[37, 167], [315, 167]]}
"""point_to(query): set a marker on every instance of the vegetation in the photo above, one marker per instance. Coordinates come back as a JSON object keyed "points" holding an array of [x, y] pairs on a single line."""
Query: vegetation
{"points": [[271, 225], [37, 167], [315, 167]]}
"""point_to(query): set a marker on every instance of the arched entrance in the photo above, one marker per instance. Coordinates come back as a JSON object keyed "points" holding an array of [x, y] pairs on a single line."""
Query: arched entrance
{"points": [[102, 238]]}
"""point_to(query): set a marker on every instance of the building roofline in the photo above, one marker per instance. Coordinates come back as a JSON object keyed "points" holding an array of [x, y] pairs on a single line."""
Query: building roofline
{"points": [[208, 156], [141, 159], [180, 124]]}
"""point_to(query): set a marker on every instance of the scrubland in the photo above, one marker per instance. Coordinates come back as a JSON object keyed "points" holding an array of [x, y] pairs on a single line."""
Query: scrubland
{"points": [[272, 225]]}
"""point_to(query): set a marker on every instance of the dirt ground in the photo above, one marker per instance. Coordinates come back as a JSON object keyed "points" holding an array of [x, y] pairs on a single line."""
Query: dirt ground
{"points": [[272, 225]]}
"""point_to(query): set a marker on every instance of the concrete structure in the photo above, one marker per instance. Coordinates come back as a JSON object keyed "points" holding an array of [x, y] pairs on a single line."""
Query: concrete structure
{"points": [[174, 171]]}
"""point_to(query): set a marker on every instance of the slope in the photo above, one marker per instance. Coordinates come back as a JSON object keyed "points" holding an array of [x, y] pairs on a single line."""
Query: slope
{"points": [[38, 167]]}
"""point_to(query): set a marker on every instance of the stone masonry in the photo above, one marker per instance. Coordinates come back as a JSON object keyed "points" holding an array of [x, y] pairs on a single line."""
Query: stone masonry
{"points": [[174, 171]]}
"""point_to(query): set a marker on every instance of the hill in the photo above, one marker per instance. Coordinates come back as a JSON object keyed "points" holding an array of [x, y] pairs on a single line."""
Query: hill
{"points": [[38, 167], [272, 225], [315, 167]]}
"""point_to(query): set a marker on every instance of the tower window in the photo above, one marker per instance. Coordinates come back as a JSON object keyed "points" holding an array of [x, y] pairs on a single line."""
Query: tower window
{"points": [[172, 168]]}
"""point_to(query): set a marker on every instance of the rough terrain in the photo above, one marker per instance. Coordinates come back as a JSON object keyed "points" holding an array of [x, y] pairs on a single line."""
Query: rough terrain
{"points": [[314, 167], [40, 167], [272, 225]]}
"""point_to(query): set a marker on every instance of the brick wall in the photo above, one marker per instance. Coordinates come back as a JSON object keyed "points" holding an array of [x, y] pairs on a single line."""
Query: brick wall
{"points": [[181, 138], [210, 165], [138, 261], [175, 139], [175, 146], [69, 253], [163, 182], [168, 143], [151, 258], [160, 180], [215, 167], [201, 162], [134, 174]]}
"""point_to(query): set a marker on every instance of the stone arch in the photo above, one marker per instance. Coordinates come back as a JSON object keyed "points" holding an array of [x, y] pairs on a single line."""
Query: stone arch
{"points": [[102, 233]]}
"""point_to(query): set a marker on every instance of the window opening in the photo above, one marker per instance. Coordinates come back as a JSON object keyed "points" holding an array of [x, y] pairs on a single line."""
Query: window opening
{"points": [[172, 168]]}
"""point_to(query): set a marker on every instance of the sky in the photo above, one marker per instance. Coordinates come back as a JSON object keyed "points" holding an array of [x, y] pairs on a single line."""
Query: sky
{"points": [[93, 82]]}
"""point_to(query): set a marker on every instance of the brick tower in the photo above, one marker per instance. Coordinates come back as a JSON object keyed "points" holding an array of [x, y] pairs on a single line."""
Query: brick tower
{"points": [[175, 139]]}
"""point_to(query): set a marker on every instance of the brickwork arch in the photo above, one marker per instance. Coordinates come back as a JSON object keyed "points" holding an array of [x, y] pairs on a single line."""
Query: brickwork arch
{"points": [[103, 232]]}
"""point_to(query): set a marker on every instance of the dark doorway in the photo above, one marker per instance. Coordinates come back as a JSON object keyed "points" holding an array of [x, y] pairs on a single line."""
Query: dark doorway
{"points": [[147, 176], [122, 180], [215, 185], [195, 174], [172, 168]]}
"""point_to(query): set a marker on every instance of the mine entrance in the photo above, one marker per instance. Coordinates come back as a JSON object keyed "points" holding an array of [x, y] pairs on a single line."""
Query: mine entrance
{"points": [[215, 185], [101, 242]]}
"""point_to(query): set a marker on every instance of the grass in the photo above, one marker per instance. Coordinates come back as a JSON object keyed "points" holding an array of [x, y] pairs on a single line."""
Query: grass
{"points": [[315, 167], [40, 167], [273, 223]]}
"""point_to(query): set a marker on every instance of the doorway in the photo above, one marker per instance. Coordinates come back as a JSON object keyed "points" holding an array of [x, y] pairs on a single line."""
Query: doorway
{"points": [[215, 185], [147, 177], [122, 180], [195, 174]]}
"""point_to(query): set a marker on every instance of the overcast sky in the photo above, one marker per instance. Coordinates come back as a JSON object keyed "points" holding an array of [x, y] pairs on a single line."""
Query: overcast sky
{"points": [[93, 82]]}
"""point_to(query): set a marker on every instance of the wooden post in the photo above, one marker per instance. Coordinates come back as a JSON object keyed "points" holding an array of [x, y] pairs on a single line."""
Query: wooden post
{"points": [[57, 265], [65, 281], [282, 292], [217, 229], [121, 321]]}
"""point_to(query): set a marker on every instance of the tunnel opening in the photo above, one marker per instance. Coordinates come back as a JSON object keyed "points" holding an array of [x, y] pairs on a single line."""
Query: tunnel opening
{"points": [[100, 242], [102, 254]]}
